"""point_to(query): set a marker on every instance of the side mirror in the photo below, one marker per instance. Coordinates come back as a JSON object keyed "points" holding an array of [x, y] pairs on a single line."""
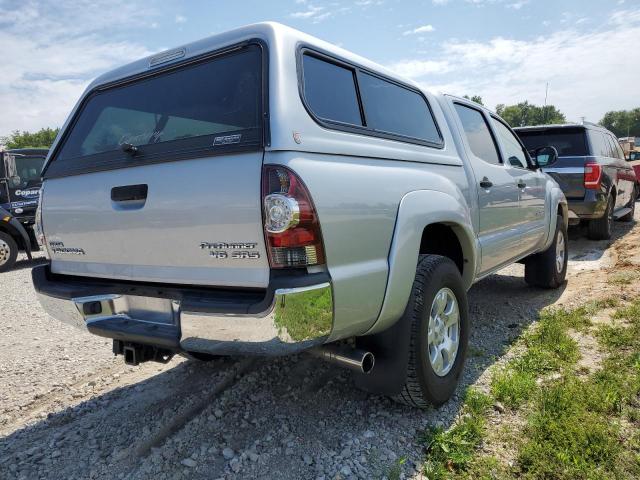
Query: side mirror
{"points": [[15, 181], [545, 156]]}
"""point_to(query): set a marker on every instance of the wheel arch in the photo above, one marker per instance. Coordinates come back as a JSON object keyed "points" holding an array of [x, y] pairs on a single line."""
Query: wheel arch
{"points": [[428, 222]]}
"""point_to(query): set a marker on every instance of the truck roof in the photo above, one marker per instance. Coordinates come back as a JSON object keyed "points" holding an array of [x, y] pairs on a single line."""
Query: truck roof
{"points": [[275, 34]]}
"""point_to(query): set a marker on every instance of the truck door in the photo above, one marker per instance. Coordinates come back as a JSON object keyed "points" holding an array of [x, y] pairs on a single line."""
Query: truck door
{"points": [[496, 186], [531, 187]]}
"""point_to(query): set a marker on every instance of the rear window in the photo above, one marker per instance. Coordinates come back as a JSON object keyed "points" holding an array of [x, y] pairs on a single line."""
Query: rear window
{"points": [[202, 108], [568, 142]]}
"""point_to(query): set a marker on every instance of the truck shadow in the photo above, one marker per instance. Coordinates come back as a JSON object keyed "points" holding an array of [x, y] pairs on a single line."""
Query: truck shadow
{"points": [[301, 418], [23, 262]]}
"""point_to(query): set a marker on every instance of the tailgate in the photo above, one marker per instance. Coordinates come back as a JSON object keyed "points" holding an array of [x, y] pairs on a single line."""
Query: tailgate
{"points": [[158, 179]]}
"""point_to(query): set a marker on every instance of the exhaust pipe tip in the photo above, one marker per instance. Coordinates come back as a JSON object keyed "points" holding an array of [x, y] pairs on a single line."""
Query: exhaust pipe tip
{"points": [[358, 360], [368, 362]]}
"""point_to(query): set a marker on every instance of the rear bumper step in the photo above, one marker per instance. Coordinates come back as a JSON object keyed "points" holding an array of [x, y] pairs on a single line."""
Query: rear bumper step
{"points": [[294, 314]]}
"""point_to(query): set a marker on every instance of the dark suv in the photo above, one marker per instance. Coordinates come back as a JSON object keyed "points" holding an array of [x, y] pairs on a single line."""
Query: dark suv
{"points": [[591, 170]]}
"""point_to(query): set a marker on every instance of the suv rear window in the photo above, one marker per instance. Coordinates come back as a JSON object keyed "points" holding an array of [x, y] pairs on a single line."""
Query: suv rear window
{"points": [[567, 141], [201, 108]]}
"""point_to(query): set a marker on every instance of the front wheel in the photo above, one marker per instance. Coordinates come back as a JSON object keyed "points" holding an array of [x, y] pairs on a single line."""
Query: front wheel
{"points": [[548, 269], [8, 252], [439, 319]]}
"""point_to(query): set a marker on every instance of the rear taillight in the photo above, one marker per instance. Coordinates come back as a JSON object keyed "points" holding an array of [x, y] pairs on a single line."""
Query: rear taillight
{"points": [[291, 226], [592, 175]]}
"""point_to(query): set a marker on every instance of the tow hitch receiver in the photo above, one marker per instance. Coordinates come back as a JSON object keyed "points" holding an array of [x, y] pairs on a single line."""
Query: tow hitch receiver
{"points": [[136, 353]]}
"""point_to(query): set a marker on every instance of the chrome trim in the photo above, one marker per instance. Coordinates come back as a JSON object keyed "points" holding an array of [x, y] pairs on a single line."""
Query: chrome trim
{"points": [[297, 319], [565, 170], [276, 331]]}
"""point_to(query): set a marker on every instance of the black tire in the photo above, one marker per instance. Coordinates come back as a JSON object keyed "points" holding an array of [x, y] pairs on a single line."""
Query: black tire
{"points": [[600, 228], [423, 388], [8, 252], [632, 205], [541, 270]]}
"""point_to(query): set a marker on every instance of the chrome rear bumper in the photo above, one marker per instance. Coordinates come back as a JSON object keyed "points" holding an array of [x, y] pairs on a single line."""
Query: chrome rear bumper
{"points": [[296, 319]]}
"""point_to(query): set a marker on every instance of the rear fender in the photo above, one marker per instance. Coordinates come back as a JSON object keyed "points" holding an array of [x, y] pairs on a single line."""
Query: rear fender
{"points": [[417, 210], [389, 338]]}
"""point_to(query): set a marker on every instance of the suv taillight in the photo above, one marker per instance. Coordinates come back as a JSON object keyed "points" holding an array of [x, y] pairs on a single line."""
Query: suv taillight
{"points": [[291, 226], [592, 175]]}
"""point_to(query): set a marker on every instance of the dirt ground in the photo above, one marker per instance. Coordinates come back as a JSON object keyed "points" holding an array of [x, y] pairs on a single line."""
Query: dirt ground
{"points": [[69, 409]]}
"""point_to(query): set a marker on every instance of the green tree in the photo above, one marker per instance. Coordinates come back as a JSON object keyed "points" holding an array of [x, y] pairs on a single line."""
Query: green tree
{"points": [[475, 98], [525, 113], [623, 123], [40, 139]]}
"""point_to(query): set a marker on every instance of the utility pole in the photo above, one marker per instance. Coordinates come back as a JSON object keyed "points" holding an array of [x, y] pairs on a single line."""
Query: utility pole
{"points": [[544, 110]]}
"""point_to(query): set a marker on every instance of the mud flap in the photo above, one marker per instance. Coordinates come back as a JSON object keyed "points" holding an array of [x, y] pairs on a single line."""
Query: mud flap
{"points": [[391, 350]]}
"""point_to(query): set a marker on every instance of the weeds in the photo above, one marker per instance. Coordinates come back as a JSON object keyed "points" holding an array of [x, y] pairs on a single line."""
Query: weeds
{"points": [[452, 450]]}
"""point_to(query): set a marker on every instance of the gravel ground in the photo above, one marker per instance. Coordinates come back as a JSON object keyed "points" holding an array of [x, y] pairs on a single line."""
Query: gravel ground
{"points": [[69, 409]]}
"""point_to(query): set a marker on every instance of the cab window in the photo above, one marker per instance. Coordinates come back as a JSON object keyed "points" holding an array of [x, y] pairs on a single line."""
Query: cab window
{"points": [[512, 150], [478, 134]]}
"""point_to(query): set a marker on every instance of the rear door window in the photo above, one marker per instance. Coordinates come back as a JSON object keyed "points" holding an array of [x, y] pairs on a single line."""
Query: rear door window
{"points": [[204, 108], [330, 91], [512, 151], [478, 134], [394, 109], [599, 145]]}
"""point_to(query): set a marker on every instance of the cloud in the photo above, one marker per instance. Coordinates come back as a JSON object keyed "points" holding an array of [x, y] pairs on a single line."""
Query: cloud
{"points": [[440, 2], [517, 5], [577, 64], [418, 30], [181, 19], [313, 13], [45, 71], [420, 68]]}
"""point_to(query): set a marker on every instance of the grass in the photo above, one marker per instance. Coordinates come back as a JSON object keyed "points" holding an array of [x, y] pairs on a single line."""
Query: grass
{"points": [[453, 450], [576, 427]]}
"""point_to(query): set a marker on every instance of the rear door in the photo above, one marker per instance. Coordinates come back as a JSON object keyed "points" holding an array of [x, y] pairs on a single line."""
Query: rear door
{"points": [[499, 214], [158, 178], [531, 186]]}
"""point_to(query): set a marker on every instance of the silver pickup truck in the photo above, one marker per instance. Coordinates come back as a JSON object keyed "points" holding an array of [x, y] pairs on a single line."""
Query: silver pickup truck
{"points": [[262, 192]]}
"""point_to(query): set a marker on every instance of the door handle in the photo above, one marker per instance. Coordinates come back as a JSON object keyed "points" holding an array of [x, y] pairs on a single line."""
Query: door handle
{"points": [[128, 193], [486, 183], [521, 184]]}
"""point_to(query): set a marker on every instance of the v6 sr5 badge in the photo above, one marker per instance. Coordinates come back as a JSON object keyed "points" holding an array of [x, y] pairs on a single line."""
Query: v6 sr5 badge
{"points": [[232, 250]]}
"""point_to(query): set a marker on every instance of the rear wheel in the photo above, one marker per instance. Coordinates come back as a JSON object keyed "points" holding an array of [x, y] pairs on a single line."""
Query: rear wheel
{"points": [[439, 319], [8, 252], [548, 269], [632, 205], [600, 228]]}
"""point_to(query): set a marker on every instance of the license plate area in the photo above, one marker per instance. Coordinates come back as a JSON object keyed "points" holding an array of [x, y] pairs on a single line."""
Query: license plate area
{"points": [[143, 309]]}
